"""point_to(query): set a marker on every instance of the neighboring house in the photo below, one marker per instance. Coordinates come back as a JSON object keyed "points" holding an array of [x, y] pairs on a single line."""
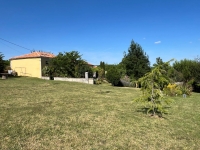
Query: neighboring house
{"points": [[31, 64], [93, 66]]}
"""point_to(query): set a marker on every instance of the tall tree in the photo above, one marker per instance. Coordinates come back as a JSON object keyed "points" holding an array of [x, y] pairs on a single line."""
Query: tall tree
{"points": [[102, 70], [136, 61]]}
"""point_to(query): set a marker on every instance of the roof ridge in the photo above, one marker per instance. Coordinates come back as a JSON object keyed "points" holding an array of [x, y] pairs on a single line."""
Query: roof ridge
{"points": [[35, 54]]}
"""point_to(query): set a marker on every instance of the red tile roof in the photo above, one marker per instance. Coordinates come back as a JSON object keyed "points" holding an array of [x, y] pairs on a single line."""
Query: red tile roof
{"points": [[35, 54]]}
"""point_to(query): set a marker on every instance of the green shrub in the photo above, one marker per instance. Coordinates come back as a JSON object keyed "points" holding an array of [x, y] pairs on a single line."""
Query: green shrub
{"points": [[186, 89], [97, 81], [174, 89], [113, 76]]}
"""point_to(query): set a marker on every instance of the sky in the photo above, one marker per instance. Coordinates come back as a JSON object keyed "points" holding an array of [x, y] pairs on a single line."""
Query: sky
{"points": [[101, 30]]}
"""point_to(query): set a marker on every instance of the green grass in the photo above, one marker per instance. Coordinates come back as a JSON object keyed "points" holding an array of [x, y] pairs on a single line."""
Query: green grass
{"points": [[39, 114]]}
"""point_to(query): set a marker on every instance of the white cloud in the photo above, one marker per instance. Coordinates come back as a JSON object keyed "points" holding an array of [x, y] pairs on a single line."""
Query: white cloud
{"points": [[157, 42], [144, 38]]}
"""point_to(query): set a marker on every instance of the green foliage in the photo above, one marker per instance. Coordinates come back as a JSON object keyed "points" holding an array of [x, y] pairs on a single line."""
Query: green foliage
{"points": [[81, 69], [189, 68], [190, 71], [101, 71], [102, 65], [47, 70], [152, 96], [171, 73], [68, 64], [136, 62], [196, 86], [7, 63], [97, 81], [186, 89], [122, 69], [174, 75], [2, 63], [172, 90], [113, 76]]}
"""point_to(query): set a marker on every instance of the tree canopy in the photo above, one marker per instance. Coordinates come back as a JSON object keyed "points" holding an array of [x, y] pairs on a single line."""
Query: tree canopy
{"points": [[69, 64], [136, 61], [190, 69], [113, 75], [190, 72]]}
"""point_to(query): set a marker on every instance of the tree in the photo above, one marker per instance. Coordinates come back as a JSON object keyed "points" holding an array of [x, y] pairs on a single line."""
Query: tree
{"points": [[171, 73], [65, 64], [102, 70], [113, 75], [81, 69], [2, 63], [190, 69], [151, 87], [136, 61], [159, 61], [7, 63], [102, 65]]}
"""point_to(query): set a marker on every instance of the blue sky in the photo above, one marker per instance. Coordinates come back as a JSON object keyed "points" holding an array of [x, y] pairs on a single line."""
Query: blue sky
{"points": [[101, 30]]}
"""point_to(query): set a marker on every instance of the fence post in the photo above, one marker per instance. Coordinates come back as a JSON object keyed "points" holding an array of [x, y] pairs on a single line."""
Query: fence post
{"points": [[86, 76]]}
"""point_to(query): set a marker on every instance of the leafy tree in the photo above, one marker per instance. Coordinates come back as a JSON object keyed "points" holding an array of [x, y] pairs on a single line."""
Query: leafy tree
{"points": [[189, 69], [197, 63], [136, 62], [65, 64], [122, 69], [108, 66], [151, 87], [2, 62], [113, 75], [81, 69], [7, 63]]}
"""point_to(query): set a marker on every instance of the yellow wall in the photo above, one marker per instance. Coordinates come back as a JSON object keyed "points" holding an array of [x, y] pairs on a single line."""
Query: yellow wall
{"points": [[27, 67]]}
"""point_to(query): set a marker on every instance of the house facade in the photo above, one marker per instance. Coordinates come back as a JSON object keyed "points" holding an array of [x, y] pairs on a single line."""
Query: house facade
{"points": [[30, 64]]}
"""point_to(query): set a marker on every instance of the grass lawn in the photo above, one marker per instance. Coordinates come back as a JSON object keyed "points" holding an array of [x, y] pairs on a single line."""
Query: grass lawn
{"points": [[39, 114]]}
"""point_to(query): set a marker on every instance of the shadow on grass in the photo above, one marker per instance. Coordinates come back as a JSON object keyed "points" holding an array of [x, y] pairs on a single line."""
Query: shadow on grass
{"points": [[9, 77], [144, 110], [103, 92]]}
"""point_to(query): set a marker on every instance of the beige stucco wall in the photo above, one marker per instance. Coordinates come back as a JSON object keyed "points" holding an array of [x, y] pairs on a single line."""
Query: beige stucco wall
{"points": [[27, 67]]}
